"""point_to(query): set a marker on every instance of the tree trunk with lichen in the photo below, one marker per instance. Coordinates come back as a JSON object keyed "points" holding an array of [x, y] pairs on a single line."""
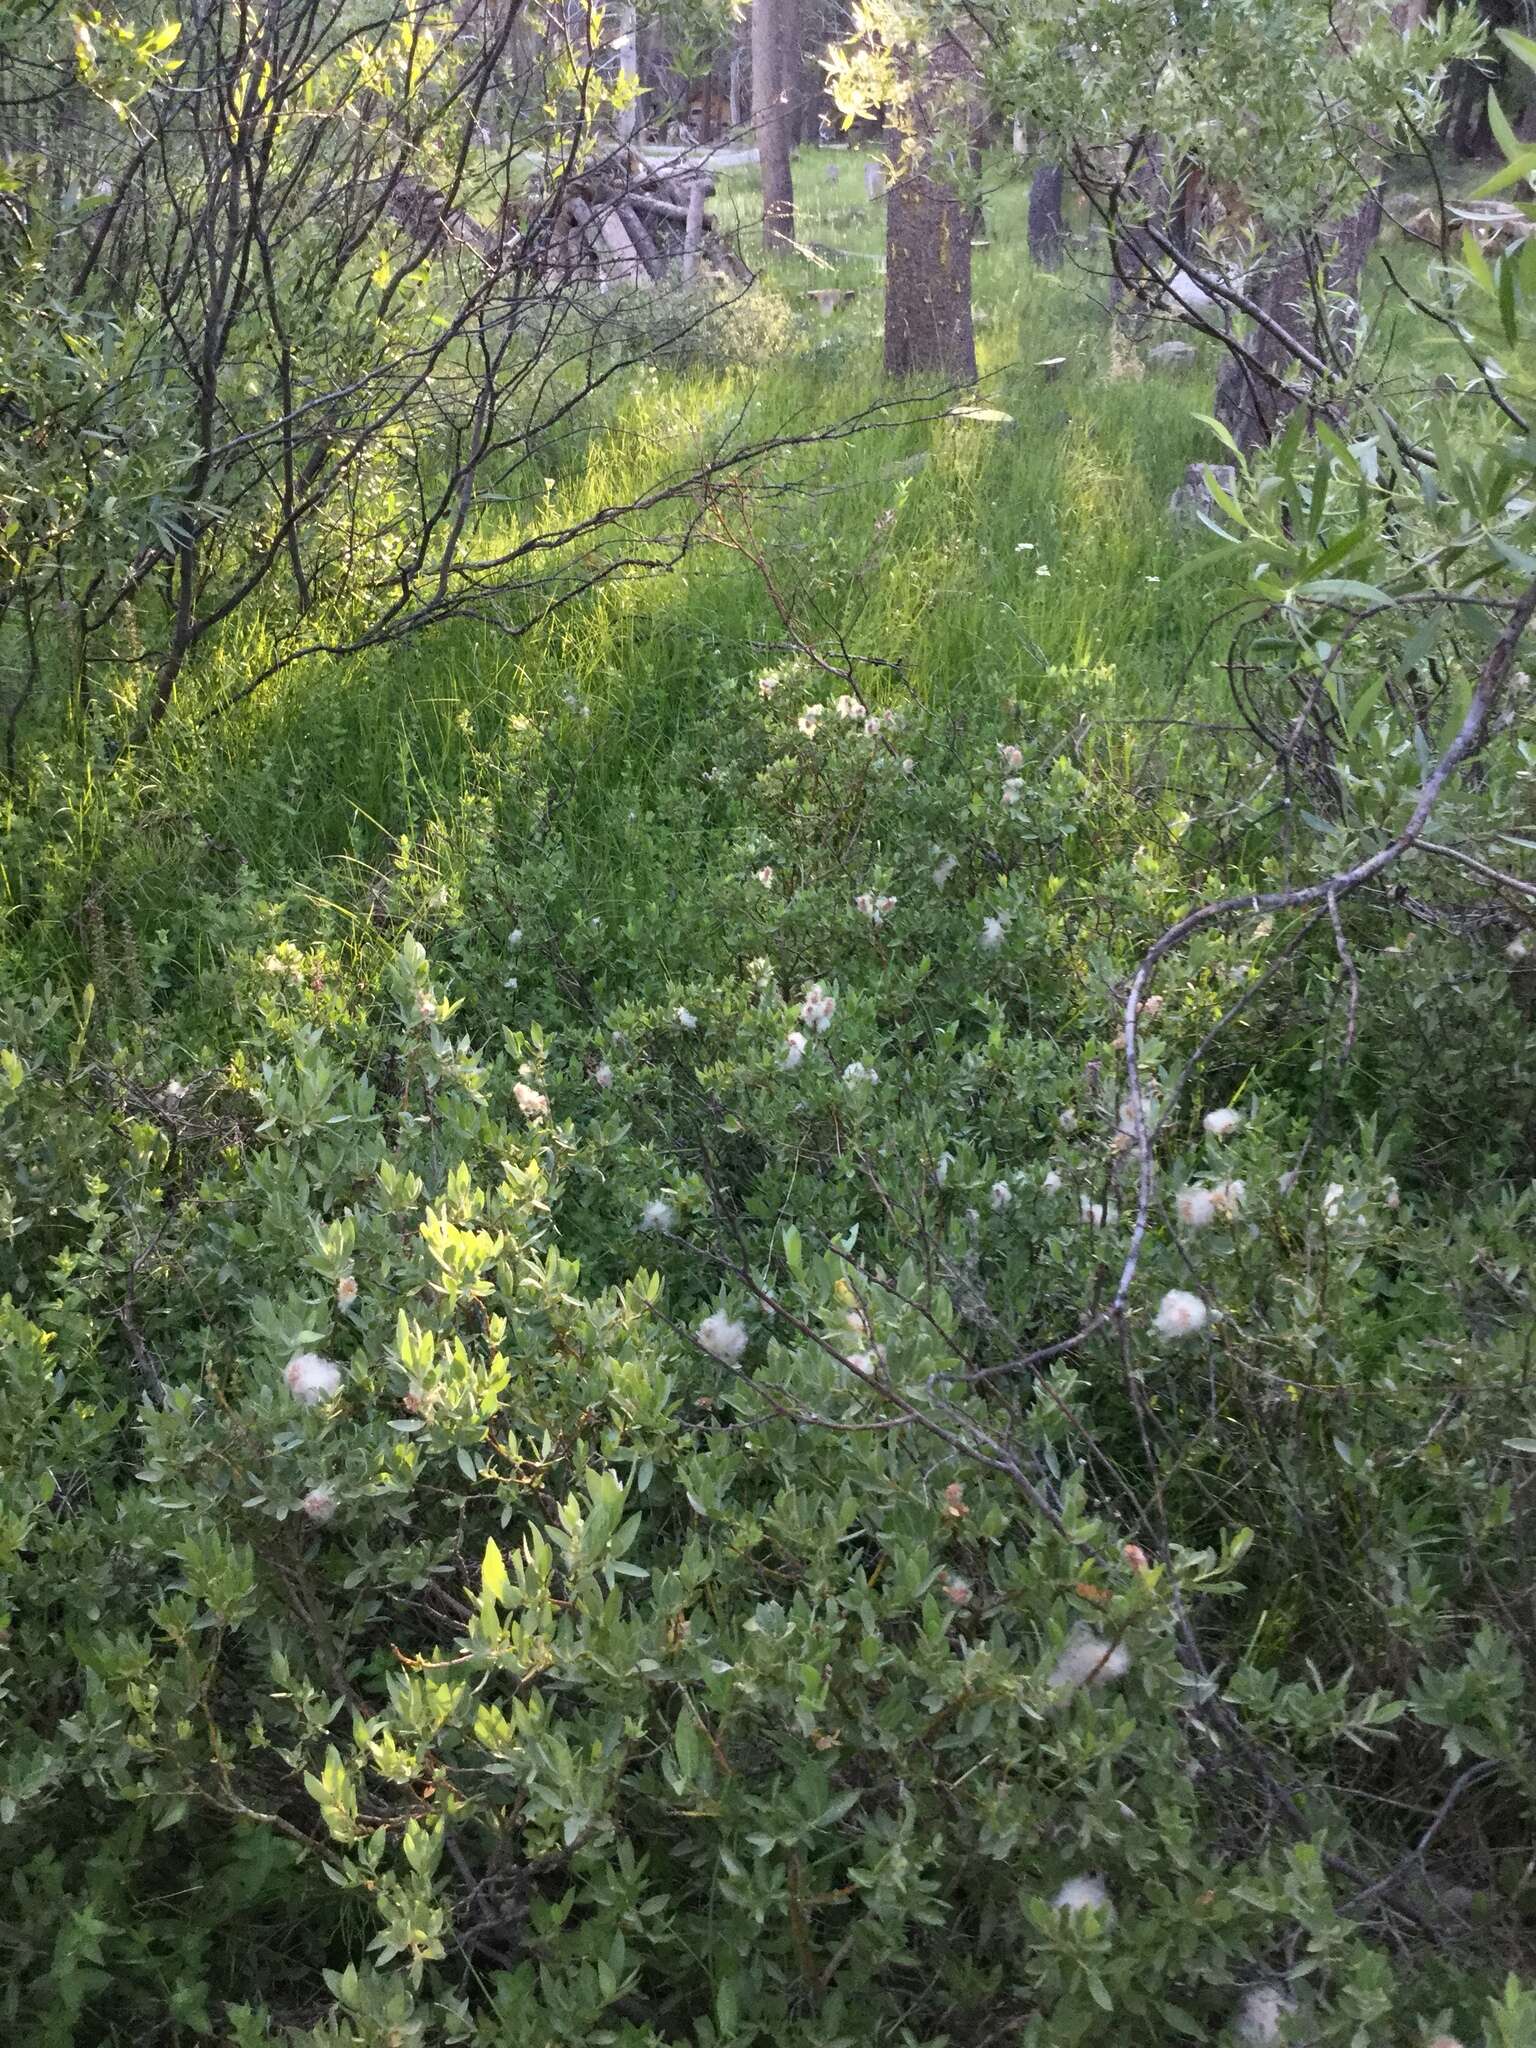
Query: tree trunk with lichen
{"points": [[928, 329]]}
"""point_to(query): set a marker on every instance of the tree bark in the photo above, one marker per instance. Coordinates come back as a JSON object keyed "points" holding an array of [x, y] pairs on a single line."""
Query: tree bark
{"points": [[1250, 401], [1253, 405], [791, 69], [1253, 400], [928, 328], [624, 47], [1047, 222], [769, 118]]}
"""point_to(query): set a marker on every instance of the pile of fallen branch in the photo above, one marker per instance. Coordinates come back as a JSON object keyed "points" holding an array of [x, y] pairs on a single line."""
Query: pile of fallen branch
{"points": [[621, 222], [629, 222]]}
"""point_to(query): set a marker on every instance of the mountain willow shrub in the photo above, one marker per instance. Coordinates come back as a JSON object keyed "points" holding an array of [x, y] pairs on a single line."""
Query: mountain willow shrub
{"points": [[527, 1520]]}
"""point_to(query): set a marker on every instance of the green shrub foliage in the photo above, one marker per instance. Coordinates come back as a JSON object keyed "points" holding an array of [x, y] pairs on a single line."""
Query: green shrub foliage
{"points": [[524, 1522]]}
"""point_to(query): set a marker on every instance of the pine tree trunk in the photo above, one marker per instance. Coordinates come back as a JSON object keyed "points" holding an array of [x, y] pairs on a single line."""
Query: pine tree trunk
{"points": [[1047, 222], [769, 120], [928, 242], [1290, 289], [1248, 403], [791, 70]]}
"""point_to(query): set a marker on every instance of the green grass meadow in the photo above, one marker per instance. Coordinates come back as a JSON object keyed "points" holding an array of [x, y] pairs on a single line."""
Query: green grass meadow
{"points": [[986, 560]]}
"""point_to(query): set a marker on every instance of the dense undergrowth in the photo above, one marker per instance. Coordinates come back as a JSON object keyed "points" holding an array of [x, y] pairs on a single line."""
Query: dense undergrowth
{"points": [[530, 1170]]}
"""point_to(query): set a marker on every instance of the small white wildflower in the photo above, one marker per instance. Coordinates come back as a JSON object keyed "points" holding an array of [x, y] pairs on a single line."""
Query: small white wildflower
{"points": [[1067, 1121], [817, 1008], [602, 1075], [956, 1592], [849, 707], [657, 1215], [765, 876], [810, 718], [944, 870], [346, 1291], [533, 1105], [1096, 1214], [426, 1006], [1087, 1659], [1287, 1181], [993, 931], [1010, 755], [1152, 579], [767, 683], [1391, 1194], [514, 939], [1221, 1123], [1152, 1007], [686, 1018], [1229, 1197], [311, 1378], [794, 1051], [864, 1363], [1001, 1195], [1196, 1207], [1180, 1314], [856, 1073], [908, 765], [510, 982], [174, 1092], [1257, 2019], [1334, 1201], [722, 1338], [1051, 1185], [1013, 789], [1082, 1895], [319, 1504], [941, 1167], [1518, 949], [1023, 547], [1042, 570]]}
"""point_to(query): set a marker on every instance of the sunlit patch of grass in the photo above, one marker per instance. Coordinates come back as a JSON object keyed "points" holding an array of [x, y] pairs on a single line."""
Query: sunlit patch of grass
{"points": [[924, 545]]}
